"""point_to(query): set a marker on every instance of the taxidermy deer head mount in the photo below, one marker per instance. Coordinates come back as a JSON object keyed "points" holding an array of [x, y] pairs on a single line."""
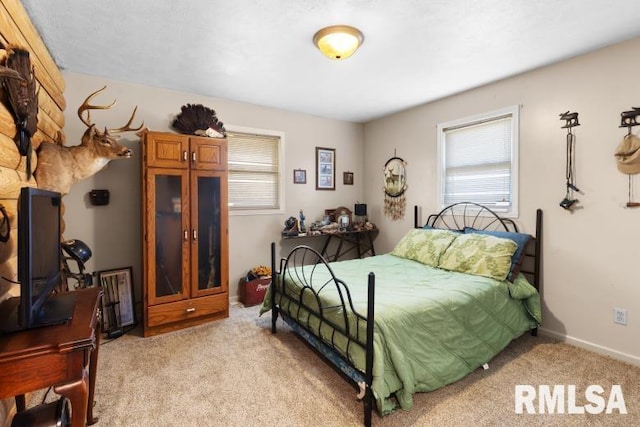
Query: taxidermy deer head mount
{"points": [[60, 167]]}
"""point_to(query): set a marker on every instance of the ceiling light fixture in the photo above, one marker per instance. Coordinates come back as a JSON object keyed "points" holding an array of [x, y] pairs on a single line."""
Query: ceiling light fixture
{"points": [[338, 41]]}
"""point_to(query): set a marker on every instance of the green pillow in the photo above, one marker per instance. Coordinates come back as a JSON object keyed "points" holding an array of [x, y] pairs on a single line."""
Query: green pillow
{"points": [[424, 246], [479, 254], [521, 240]]}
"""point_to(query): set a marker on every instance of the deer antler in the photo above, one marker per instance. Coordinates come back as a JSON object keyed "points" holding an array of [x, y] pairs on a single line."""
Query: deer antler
{"points": [[88, 107], [127, 127]]}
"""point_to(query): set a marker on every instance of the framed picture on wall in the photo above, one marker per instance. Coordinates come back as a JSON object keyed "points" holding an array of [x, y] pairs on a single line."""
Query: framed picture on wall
{"points": [[347, 178], [299, 176], [325, 168]]}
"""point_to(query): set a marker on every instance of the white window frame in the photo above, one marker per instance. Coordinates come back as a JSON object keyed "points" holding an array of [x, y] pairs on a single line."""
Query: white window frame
{"points": [[281, 135], [512, 111]]}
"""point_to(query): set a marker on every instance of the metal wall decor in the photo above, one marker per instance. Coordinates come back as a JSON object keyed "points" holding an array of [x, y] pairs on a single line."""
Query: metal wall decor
{"points": [[395, 184], [628, 151], [629, 118], [570, 202]]}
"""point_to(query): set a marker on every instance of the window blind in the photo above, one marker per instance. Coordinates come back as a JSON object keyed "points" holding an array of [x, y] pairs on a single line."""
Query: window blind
{"points": [[254, 172], [478, 163]]}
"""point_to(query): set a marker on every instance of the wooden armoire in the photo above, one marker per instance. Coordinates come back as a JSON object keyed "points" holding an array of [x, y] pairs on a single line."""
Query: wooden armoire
{"points": [[185, 253]]}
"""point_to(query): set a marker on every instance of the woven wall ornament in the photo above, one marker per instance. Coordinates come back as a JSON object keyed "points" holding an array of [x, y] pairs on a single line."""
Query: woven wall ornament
{"points": [[395, 184]]}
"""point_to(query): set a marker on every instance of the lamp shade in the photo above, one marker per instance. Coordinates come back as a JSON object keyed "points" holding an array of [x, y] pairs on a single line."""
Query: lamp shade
{"points": [[338, 41]]}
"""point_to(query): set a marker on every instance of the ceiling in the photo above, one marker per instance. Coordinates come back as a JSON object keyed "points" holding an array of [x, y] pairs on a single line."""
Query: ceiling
{"points": [[260, 52]]}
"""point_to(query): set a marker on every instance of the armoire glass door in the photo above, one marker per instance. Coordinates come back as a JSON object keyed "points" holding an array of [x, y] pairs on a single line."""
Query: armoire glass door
{"points": [[170, 235], [206, 245]]}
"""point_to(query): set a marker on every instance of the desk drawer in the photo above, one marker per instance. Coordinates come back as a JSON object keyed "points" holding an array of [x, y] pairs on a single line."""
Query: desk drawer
{"points": [[162, 314]]}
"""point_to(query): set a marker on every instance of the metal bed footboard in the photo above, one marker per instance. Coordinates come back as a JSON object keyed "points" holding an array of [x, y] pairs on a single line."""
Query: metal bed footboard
{"points": [[301, 265]]}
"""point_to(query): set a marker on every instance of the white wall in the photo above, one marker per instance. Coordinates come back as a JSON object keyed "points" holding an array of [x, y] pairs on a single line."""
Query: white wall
{"points": [[590, 256], [113, 231]]}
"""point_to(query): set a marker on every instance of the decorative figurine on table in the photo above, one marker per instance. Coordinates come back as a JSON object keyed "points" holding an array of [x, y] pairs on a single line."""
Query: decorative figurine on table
{"points": [[343, 221], [301, 227], [290, 227]]}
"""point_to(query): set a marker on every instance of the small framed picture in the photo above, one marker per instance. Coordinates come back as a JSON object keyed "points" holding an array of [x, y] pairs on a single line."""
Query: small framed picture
{"points": [[117, 302], [347, 178], [299, 176], [325, 168]]}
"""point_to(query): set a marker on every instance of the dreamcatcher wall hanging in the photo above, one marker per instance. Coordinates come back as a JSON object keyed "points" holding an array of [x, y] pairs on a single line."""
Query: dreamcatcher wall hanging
{"points": [[395, 184]]}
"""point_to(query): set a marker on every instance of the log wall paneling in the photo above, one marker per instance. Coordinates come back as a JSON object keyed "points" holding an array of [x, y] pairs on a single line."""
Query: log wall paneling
{"points": [[46, 104], [48, 124], [11, 159], [8, 128], [17, 29]]}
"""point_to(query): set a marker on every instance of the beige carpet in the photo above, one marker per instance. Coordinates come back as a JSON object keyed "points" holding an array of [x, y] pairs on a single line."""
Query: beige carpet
{"points": [[234, 372]]}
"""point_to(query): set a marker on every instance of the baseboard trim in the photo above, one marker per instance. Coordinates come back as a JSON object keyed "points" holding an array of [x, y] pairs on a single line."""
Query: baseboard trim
{"points": [[634, 360]]}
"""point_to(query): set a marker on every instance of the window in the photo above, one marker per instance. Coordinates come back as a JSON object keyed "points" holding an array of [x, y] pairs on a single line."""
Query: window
{"points": [[478, 161], [255, 182]]}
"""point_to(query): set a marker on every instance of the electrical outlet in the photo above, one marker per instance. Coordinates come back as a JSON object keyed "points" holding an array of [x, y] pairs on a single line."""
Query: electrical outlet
{"points": [[620, 316]]}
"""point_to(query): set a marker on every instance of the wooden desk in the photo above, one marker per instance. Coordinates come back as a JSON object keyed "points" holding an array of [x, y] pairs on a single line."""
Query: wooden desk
{"points": [[358, 241], [63, 356]]}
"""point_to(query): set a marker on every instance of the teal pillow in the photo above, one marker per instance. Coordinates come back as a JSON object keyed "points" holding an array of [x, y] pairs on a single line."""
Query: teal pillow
{"points": [[424, 245], [521, 240], [479, 254]]}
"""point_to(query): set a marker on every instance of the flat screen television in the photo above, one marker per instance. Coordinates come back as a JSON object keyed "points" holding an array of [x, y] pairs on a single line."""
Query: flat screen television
{"points": [[39, 264]]}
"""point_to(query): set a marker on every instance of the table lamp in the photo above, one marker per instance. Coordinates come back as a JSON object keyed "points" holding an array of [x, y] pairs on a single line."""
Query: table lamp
{"points": [[360, 210]]}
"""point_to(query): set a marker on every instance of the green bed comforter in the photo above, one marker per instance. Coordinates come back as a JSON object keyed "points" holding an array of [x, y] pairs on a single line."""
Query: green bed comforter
{"points": [[432, 327]]}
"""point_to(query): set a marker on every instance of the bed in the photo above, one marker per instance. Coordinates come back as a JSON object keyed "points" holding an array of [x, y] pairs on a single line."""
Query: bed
{"points": [[448, 298]]}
